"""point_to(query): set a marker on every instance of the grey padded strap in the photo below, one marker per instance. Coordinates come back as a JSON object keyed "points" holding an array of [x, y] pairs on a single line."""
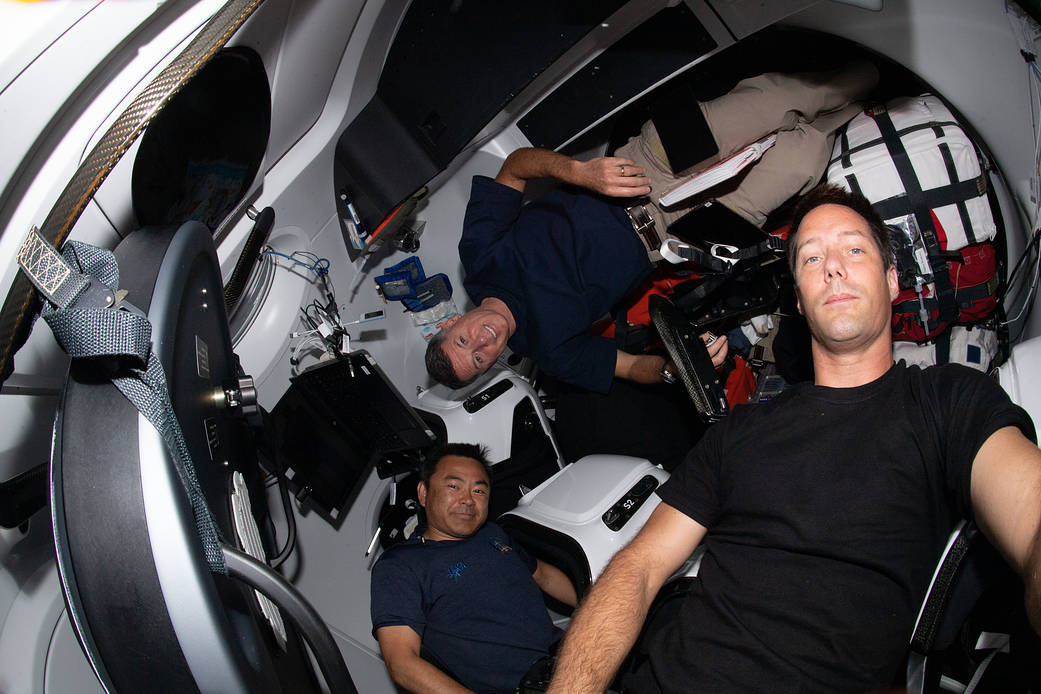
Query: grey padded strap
{"points": [[147, 390], [18, 310], [90, 275]]}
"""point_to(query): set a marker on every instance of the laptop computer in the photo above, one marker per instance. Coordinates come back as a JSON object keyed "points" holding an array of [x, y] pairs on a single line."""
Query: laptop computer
{"points": [[333, 425]]}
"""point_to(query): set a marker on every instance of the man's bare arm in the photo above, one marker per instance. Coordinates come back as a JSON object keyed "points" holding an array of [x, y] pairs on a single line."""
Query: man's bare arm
{"points": [[640, 368], [609, 620], [646, 368], [400, 646], [604, 175], [555, 583], [1006, 497]]}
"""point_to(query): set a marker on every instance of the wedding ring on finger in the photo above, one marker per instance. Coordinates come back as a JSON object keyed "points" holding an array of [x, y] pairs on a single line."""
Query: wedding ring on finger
{"points": [[622, 166]]}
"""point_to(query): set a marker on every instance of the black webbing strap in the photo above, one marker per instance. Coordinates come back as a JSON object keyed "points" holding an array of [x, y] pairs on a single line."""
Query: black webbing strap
{"points": [[964, 297], [694, 298], [954, 194], [845, 156], [943, 347], [628, 336], [851, 181], [846, 152], [952, 176], [940, 591], [768, 246], [919, 206], [771, 244], [21, 306]]}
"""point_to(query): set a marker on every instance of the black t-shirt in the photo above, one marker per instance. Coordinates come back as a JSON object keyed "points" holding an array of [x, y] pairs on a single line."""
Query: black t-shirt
{"points": [[827, 511]]}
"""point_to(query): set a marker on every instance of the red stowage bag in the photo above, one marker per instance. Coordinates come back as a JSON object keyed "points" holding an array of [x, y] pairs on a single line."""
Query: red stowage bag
{"points": [[975, 282], [740, 383]]}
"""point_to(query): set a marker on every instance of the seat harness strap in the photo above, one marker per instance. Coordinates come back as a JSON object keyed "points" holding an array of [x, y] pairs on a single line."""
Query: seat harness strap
{"points": [[91, 318]]}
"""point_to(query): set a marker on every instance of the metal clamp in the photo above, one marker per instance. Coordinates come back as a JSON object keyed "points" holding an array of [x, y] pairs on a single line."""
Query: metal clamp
{"points": [[670, 251], [731, 256], [676, 252]]}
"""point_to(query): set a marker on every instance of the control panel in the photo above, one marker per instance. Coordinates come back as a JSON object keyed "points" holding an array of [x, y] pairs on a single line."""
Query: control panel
{"points": [[619, 514], [476, 402]]}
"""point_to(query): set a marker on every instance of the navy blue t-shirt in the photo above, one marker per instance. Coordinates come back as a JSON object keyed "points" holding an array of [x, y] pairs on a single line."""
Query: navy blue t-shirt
{"points": [[559, 263], [473, 603], [827, 510]]}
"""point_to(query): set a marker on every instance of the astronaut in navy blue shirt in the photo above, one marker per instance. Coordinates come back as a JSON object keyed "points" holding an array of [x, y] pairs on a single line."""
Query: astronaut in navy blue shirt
{"points": [[461, 591], [540, 274]]}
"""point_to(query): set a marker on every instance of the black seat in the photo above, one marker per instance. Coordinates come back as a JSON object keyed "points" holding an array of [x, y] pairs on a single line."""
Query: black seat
{"points": [[147, 604], [972, 633]]}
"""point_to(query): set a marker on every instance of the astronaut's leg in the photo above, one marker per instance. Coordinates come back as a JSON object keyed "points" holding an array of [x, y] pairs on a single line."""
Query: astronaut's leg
{"points": [[773, 102], [792, 166]]}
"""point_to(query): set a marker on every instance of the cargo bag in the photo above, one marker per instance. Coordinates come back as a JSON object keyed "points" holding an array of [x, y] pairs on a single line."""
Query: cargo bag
{"points": [[974, 346], [924, 177], [974, 285]]}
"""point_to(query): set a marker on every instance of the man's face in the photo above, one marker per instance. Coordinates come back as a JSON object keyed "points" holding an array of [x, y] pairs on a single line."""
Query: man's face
{"points": [[456, 500], [843, 288], [474, 340]]}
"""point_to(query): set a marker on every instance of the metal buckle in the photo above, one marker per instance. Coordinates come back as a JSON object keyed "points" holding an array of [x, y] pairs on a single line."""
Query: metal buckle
{"points": [[97, 295], [63, 285], [643, 225], [731, 253]]}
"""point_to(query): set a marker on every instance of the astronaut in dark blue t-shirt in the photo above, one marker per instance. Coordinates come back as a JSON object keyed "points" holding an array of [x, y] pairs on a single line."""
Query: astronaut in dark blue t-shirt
{"points": [[461, 590]]}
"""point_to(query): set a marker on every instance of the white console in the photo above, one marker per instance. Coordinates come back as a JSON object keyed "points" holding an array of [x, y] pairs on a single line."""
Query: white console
{"points": [[586, 512]]}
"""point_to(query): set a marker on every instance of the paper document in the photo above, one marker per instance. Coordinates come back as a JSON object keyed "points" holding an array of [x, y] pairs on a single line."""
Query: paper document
{"points": [[725, 169]]}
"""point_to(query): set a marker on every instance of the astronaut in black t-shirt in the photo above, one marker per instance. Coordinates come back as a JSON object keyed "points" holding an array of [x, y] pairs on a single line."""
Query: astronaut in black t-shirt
{"points": [[824, 510], [461, 590]]}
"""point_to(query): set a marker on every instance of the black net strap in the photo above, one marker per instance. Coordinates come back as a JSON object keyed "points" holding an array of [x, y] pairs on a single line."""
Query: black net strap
{"points": [[921, 209]]}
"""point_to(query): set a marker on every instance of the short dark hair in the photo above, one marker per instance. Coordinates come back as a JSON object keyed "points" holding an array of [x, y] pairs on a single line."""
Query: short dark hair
{"points": [[439, 366], [464, 450], [831, 194]]}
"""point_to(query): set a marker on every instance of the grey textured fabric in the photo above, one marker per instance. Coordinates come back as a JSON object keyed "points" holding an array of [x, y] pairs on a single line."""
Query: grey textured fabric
{"points": [[116, 332], [101, 332]]}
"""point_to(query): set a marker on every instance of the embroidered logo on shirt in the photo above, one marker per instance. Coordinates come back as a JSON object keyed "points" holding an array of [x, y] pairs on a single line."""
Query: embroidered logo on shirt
{"points": [[456, 572], [501, 546]]}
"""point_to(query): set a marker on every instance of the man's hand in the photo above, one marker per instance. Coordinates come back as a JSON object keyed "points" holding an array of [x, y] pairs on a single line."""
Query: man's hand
{"points": [[615, 176], [717, 348], [646, 368]]}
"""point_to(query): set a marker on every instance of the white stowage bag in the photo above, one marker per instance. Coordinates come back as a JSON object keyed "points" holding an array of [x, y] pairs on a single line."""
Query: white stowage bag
{"points": [[936, 147]]}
